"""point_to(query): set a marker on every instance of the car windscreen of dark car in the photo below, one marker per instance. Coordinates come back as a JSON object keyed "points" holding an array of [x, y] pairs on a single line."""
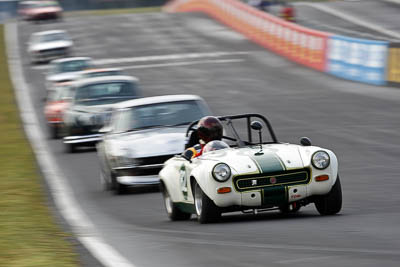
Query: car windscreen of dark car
{"points": [[160, 114], [105, 93]]}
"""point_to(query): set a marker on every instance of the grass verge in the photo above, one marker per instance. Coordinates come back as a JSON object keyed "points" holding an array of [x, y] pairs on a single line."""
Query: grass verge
{"points": [[102, 12], [29, 234]]}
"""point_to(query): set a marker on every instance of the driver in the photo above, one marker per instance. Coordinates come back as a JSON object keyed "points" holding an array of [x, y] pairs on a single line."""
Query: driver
{"points": [[208, 129]]}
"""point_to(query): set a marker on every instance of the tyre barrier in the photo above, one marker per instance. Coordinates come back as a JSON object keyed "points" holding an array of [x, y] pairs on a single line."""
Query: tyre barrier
{"points": [[361, 60]]}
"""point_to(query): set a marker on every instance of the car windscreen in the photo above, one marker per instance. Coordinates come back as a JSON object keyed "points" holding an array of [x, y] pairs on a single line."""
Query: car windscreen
{"points": [[71, 66], [46, 4], [105, 92], [101, 73], [53, 37], [160, 114], [62, 92]]}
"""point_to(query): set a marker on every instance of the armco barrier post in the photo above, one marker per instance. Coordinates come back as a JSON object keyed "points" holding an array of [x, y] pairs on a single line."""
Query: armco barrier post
{"points": [[393, 67], [357, 59]]}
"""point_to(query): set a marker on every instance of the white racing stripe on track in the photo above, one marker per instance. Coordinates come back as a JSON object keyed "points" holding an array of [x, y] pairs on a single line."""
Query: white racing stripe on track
{"points": [[168, 57], [164, 58], [221, 61], [352, 18], [82, 227]]}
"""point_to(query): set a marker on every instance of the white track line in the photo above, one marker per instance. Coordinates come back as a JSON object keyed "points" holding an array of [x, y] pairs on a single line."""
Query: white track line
{"points": [[63, 196], [168, 57], [185, 63], [107, 61], [392, 1], [351, 18]]}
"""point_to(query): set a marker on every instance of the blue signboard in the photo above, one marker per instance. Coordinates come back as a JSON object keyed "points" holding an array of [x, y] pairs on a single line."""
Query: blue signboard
{"points": [[357, 59]]}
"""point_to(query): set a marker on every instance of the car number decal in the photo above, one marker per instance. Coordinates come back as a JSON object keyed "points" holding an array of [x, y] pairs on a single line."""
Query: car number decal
{"points": [[183, 181]]}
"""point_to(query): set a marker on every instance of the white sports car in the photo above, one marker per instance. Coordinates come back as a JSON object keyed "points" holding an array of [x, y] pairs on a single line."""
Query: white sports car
{"points": [[250, 175], [47, 45]]}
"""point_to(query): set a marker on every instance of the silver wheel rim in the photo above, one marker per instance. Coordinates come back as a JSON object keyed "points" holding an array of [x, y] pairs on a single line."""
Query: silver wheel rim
{"points": [[168, 202], [198, 200]]}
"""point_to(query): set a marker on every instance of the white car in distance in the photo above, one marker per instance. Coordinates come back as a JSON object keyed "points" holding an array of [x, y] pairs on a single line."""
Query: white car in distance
{"points": [[47, 45]]}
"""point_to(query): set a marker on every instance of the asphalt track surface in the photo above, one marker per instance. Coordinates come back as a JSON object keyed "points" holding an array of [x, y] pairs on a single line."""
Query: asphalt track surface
{"points": [[376, 12], [359, 122]]}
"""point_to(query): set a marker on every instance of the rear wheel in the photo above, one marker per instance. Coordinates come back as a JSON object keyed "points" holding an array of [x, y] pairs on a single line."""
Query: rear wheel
{"points": [[206, 210], [173, 212], [330, 203]]}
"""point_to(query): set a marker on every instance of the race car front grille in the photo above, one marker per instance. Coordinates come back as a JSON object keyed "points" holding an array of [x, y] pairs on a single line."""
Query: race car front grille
{"points": [[138, 171], [257, 181], [54, 51], [153, 160]]}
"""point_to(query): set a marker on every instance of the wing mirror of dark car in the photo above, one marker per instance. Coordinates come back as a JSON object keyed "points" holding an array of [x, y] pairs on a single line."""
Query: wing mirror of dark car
{"points": [[256, 125], [305, 141], [187, 154]]}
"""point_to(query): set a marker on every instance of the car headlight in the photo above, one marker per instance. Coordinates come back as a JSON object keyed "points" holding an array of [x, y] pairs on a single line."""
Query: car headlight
{"points": [[126, 158], [126, 161], [320, 160], [221, 172]]}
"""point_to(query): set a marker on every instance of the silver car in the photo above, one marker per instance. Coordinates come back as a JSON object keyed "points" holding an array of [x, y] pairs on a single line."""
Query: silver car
{"points": [[141, 135], [48, 45]]}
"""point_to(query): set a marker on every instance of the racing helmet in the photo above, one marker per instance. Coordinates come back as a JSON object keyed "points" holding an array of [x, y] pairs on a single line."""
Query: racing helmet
{"points": [[215, 145], [209, 128]]}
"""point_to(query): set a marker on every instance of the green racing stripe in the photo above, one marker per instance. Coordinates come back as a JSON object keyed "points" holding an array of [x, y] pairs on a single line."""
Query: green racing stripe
{"points": [[268, 162]]}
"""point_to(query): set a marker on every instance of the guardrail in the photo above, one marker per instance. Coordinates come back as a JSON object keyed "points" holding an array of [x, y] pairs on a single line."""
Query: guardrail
{"points": [[348, 58]]}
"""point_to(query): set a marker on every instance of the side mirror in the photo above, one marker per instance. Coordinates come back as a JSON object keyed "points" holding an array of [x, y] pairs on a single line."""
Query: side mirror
{"points": [[187, 154], [105, 129], [256, 125], [305, 141]]}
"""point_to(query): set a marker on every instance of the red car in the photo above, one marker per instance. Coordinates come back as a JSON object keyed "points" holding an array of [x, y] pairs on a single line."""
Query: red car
{"points": [[40, 10], [58, 100]]}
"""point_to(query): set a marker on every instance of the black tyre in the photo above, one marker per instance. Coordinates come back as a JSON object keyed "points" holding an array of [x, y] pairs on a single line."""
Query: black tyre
{"points": [[70, 148], [118, 188], [330, 203], [54, 132], [206, 210], [173, 212], [290, 208], [105, 183]]}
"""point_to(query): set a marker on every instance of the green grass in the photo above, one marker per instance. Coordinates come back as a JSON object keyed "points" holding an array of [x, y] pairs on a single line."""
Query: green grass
{"points": [[102, 12], [29, 235]]}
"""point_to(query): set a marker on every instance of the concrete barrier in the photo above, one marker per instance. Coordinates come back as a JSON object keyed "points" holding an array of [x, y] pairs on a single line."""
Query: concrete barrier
{"points": [[299, 44], [349, 58]]}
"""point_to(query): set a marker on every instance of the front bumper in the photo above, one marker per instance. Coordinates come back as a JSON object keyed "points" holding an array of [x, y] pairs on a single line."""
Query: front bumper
{"points": [[79, 139], [139, 180]]}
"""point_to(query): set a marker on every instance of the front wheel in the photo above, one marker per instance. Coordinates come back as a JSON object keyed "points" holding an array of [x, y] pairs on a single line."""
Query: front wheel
{"points": [[206, 210], [330, 203], [173, 212], [70, 148], [119, 189]]}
